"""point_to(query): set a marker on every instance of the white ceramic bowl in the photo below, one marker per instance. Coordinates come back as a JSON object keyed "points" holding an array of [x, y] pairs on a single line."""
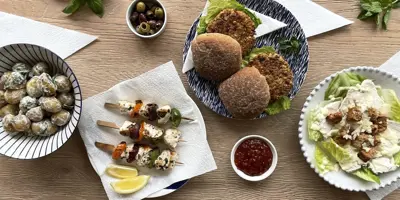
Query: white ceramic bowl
{"points": [[268, 172], [341, 179], [24, 147], [133, 29]]}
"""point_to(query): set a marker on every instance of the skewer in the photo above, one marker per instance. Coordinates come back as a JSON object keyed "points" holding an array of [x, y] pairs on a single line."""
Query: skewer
{"points": [[143, 155], [150, 111], [137, 132], [107, 124]]}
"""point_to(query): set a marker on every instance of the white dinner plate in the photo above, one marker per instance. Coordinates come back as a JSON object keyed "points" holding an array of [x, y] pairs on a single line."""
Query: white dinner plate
{"points": [[341, 179]]}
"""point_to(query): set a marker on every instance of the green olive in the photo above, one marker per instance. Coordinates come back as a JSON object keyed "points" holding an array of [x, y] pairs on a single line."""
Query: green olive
{"points": [[153, 8], [144, 27], [159, 13], [152, 32], [176, 117], [140, 7], [139, 30]]}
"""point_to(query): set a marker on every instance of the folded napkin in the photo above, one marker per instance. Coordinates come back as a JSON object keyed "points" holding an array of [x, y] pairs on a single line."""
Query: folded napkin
{"points": [[63, 42], [162, 86], [313, 18], [392, 66]]}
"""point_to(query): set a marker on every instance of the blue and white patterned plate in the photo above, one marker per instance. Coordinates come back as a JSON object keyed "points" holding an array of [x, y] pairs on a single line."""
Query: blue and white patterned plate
{"points": [[24, 147], [207, 91]]}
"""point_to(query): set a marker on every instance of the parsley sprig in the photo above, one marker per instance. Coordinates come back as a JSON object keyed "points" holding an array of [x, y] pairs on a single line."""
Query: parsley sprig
{"points": [[380, 10], [95, 5], [291, 45]]}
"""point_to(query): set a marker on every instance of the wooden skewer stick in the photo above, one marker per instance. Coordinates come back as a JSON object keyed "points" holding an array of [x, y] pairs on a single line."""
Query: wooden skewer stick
{"points": [[180, 140], [105, 147], [111, 105], [179, 163], [187, 118], [107, 124]]}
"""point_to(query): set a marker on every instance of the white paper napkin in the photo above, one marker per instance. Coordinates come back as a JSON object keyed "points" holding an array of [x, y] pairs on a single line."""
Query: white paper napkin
{"points": [[313, 18], [162, 86], [392, 66], [63, 42]]}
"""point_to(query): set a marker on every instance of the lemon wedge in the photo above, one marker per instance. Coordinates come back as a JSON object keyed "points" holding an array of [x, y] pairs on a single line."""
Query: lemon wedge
{"points": [[130, 185], [120, 171]]}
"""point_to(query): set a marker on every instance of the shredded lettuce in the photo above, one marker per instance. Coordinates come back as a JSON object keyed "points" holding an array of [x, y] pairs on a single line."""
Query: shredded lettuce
{"points": [[390, 97], [323, 161], [367, 174], [216, 6], [336, 151], [254, 52], [397, 159], [313, 134], [282, 104], [340, 84]]}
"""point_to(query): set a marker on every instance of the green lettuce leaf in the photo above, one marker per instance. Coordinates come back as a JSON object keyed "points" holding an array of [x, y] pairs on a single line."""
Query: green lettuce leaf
{"points": [[397, 159], [340, 84], [216, 6], [254, 52], [323, 161], [390, 97], [202, 27], [282, 104], [313, 134], [336, 151], [367, 174]]}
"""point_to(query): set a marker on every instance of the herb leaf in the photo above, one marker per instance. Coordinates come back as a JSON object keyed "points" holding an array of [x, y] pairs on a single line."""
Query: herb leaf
{"points": [[378, 20], [379, 10], [73, 6], [97, 7], [291, 45], [371, 6], [386, 18]]}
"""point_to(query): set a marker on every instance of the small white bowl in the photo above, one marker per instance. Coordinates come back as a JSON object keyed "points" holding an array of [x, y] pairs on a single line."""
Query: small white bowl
{"points": [[133, 29], [268, 172]]}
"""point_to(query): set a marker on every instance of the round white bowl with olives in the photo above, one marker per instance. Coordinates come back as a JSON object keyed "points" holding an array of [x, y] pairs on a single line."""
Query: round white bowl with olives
{"points": [[40, 101], [146, 18]]}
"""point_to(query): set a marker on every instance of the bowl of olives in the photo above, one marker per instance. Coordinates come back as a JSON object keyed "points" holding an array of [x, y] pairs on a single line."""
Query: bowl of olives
{"points": [[40, 101], [146, 18]]}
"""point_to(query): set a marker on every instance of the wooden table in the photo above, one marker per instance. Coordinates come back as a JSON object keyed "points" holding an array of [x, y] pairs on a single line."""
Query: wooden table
{"points": [[118, 55]]}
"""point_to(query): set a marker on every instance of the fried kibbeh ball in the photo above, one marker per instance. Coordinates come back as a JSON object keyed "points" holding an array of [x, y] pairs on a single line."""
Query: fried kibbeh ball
{"points": [[277, 72], [236, 24], [216, 56], [245, 94]]}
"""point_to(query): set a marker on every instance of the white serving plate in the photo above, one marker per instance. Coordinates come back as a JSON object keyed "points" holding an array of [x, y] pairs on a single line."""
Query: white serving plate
{"points": [[341, 179]]}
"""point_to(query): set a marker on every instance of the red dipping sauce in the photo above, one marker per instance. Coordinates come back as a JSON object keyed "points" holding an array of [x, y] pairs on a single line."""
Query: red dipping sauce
{"points": [[253, 157]]}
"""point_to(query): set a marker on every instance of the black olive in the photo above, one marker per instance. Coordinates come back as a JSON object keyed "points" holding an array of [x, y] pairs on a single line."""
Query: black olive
{"points": [[142, 18], [152, 23], [134, 131], [150, 14], [159, 24], [134, 17], [152, 110]]}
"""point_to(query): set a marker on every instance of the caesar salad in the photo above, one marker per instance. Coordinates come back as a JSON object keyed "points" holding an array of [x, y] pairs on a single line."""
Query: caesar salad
{"points": [[356, 128]]}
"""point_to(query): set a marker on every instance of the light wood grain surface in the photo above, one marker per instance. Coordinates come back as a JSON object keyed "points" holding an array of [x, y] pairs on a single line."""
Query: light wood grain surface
{"points": [[118, 55]]}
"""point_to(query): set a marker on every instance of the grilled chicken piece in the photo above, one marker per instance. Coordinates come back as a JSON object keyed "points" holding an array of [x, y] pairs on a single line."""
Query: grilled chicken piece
{"points": [[367, 155], [334, 118], [354, 114]]}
